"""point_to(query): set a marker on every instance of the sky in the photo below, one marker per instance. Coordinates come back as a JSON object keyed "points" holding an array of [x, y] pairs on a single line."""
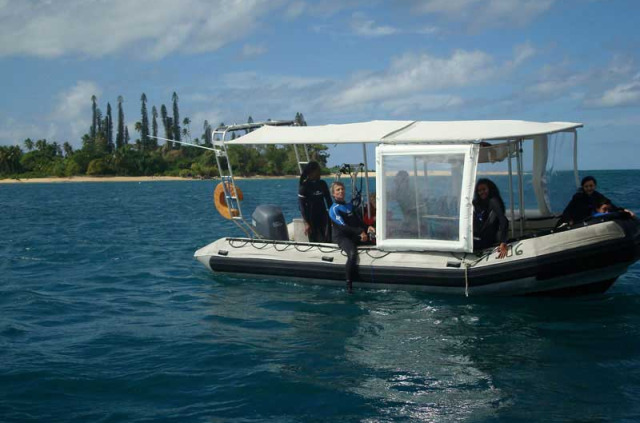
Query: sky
{"points": [[335, 61]]}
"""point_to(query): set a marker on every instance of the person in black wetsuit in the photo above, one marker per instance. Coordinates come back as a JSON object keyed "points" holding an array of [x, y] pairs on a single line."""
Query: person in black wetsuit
{"points": [[314, 200], [584, 203], [490, 225], [348, 230]]}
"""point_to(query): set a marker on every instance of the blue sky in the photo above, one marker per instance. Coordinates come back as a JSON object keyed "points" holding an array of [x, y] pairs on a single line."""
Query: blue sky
{"points": [[334, 61]]}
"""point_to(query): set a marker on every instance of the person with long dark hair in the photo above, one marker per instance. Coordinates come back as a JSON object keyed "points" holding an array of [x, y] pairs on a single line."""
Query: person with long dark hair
{"points": [[490, 225], [584, 203], [314, 200]]}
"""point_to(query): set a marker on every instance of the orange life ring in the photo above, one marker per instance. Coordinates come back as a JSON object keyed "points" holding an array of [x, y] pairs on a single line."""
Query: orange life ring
{"points": [[220, 201]]}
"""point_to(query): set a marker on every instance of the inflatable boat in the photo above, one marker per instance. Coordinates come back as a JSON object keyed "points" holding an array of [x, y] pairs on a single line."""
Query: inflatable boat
{"points": [[432, 249]]}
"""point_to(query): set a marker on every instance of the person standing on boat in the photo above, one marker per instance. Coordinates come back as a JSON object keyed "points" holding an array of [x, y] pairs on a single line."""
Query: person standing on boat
{"points": [[490, 225], [314, 200], [348, 230], [584, 203]]}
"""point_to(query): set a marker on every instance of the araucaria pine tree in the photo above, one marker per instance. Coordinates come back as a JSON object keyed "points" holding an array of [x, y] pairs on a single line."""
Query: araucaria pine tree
{"points": [[176, 118], [154, 124], [144, 133], [94, 118], [166, 123], [120, 140], [109, 128]]}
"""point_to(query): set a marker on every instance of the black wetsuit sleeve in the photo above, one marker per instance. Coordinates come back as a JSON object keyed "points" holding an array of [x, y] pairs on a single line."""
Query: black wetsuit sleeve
{"points": [[327, 194], [503, 223], [600, 198], [303, 202], [569, 212]]}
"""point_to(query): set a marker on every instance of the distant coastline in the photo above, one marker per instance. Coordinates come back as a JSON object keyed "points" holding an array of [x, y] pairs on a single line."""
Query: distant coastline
{"points": [[73, 179]]}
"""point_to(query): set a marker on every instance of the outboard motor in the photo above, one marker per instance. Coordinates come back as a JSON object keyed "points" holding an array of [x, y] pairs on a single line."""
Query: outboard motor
{"points": [[268, 221]]}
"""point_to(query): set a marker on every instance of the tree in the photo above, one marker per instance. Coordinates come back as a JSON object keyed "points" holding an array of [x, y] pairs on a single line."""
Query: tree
{"points": [[94, 117], [126, 135], [10, 157], [68, 150], [144, 130], [108, 128], [138, 128], [154, 122], [299, 120], [207, 134], [120, 139], [250, 120], [166, 123], [186, 131], [28, 144], [176, 118]]}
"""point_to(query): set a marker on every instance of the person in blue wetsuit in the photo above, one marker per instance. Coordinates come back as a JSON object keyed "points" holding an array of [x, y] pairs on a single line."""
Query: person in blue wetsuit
{"points": [[314, 200], [348, 230]]}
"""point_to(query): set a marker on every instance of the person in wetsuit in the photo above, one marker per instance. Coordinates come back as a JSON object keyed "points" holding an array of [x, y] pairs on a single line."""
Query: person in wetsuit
{"points": [[490, 225], [348, 230], [583, 204], [314, 200]]}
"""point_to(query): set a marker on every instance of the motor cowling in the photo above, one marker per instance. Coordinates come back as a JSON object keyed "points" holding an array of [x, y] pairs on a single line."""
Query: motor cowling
{"points": [[268, 221]]}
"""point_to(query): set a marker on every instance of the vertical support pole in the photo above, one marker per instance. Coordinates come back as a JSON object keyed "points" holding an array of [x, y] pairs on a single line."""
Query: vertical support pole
{"points": [[295, 150], [511, 200], [415, 189], [366, 178], [520, 186], [575, 158], [306, 152]]}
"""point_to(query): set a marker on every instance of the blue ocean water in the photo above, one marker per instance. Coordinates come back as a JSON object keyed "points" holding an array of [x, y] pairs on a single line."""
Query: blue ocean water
{"points": [[106, 317]]}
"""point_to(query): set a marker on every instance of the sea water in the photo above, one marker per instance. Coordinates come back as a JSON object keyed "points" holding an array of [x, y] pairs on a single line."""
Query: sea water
{"points": [[105, 316]]}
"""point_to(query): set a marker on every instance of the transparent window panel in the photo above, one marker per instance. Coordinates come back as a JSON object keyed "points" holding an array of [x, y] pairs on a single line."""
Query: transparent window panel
{"points": [[423, 196]]}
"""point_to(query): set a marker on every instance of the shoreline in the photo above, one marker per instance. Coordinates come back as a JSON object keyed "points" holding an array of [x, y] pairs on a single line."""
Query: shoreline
{"points": [[75, 179]]}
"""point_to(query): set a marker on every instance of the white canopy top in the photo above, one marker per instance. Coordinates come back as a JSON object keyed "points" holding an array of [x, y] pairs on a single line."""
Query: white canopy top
{"points": [[403, 131]]}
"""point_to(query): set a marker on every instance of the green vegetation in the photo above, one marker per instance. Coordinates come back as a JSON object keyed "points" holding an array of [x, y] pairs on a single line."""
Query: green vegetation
{"points": [[101, 156]]}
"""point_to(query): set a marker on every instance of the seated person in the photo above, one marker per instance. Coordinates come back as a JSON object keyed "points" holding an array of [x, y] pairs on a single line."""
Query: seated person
{"points": [[604, 207], [404, 194], [369, 218], [490, 225], [583, 204], [348, 230]]}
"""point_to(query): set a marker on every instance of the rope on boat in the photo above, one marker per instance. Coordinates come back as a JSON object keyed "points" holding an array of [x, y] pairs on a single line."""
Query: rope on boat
{"points": [[466, 279], [467, 265]]}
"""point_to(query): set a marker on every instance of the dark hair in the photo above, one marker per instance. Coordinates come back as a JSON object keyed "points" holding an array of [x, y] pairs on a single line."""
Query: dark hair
{"points": [[308, 170], [494, 192], [601, 201], [587, 179]]}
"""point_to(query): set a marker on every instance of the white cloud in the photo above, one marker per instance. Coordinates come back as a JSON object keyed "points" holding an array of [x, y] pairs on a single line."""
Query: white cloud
{"points": [[361, 25], [76, 100], [147, 28], [421, 103], [485, 13], [71, 117], [424, 73], [626, 94], [253, 50]]}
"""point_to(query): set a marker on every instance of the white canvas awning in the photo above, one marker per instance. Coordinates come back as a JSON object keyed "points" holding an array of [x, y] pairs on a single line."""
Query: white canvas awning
{"points": [[404, 131]]}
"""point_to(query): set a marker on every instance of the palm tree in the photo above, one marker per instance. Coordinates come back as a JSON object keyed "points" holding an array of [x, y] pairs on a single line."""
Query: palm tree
{"points": [[28, 144], [186, 131]]}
